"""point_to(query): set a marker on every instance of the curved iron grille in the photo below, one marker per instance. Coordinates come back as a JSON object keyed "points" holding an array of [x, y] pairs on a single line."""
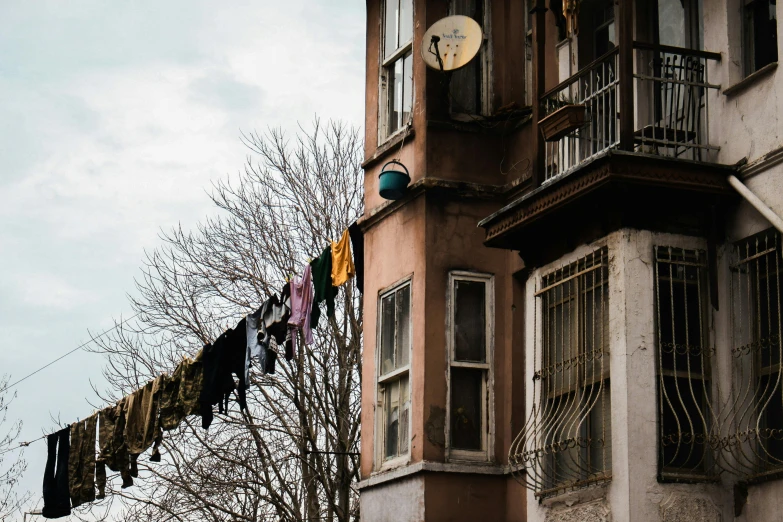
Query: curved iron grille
{"points": [[684, 361], [566, 441], [753, 443]]}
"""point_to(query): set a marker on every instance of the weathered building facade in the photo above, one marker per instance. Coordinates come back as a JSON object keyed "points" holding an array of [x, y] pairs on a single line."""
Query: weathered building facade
{"points": [[574, 312]]}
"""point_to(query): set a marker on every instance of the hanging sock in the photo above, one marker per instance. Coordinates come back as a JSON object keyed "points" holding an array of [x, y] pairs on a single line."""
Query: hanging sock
{"points": [[56, 497], [357, 241], [342, 262]]}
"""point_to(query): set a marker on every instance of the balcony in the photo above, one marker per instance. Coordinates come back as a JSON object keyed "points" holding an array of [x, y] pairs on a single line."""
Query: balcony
{"points": [[624, 142], [669, 108]]}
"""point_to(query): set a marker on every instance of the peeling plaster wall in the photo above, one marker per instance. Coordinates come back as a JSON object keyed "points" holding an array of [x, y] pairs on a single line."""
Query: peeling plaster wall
{"points": [[746, 123], [634, 493]]}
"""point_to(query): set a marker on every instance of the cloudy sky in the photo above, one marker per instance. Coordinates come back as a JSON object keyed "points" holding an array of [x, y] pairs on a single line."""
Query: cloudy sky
{"points": [[114, 119]]}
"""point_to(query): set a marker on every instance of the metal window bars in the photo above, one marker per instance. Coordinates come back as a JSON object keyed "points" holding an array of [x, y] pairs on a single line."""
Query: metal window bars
{"points": [[672, 111], [684, 361], [752, 446], [566, 441]]}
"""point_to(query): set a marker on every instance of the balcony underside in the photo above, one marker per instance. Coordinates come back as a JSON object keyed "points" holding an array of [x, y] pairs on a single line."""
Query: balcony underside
{"points": [[612, 191]]}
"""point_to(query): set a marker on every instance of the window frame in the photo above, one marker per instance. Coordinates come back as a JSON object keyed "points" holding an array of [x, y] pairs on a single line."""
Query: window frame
{"points": [[385, 76], [382, 380], [748, 53], [487, 392], [485, 69]]}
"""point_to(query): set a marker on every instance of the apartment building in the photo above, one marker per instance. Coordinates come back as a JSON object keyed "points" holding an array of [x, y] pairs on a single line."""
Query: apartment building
{"points": [[574, 311]]}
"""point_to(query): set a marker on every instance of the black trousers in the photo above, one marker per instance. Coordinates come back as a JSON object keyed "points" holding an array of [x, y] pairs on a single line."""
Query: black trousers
{"points": [[57, 498]]}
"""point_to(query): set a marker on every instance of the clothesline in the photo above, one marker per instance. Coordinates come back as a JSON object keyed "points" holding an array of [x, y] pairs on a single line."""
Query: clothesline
{"points": [[137, 421], [93, 339]]}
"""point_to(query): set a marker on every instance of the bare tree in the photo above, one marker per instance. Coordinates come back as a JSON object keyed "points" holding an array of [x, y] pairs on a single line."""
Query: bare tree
{"points": [[12, 463], [291, 456]]}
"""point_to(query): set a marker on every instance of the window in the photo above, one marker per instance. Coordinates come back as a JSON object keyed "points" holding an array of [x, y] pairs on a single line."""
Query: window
{"points": [[568, 439], [393, 372], [470, 354], [528, 52], [757, 404], [397, 70], [760, 34], [684, 361], [469, 84]]}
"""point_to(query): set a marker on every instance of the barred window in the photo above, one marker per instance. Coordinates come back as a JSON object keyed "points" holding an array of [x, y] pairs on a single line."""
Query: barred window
{"points": [[684, 360], [567, 440], [394, 369], [757, 403]]}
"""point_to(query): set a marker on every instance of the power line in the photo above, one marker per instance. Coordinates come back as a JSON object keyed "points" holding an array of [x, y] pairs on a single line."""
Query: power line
{"points": [[69, 353]]}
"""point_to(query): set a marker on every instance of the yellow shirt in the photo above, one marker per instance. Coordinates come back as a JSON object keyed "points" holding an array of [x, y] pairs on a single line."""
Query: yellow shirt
{"points": [[342, 260]]}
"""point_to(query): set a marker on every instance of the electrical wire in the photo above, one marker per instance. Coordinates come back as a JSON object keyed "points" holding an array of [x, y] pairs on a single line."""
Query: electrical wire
{"points": [[69, 353]]}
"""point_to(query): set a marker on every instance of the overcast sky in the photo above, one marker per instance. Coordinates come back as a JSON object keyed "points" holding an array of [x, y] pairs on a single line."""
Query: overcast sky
{"points": [[114, 119]]}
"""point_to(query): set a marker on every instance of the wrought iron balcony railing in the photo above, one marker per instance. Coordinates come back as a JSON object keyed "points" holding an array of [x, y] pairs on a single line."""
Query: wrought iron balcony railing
{"points": [[670, 108]]}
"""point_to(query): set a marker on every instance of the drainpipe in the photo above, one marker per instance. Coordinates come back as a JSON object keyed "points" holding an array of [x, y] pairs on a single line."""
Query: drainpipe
{"points": [[759, 205]]}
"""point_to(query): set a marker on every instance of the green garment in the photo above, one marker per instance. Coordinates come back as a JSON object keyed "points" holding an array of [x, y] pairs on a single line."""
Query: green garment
{"points": [[113, 450], [142, 428], [179, 396], [322, 283], [81, 461]]}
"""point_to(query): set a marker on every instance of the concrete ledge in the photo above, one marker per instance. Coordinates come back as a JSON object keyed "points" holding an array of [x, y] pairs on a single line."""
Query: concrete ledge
{"points": [[765, 162], [437, 467]]}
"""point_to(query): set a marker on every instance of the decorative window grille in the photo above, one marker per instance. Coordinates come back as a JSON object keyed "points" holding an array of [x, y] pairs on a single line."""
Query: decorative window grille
{"points": [[566, 442], [684, 360], [470, 365], [394, 369], [755, 440]]}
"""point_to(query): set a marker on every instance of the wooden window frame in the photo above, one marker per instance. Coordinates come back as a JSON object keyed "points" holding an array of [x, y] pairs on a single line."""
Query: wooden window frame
{"points": [[386, 71], [487, 393], [384, 379]]}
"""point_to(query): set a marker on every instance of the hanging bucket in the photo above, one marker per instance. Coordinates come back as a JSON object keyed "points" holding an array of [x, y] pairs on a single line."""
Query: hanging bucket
{"points": [[393, 181]]}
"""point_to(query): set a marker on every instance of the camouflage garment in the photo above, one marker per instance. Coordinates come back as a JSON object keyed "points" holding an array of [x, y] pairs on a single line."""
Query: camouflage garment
{"points": [[180, 393], [81, 461], [113, 451]]}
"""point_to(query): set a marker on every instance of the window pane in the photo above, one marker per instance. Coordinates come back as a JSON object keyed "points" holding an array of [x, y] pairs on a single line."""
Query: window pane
{"points": [[466, 82], [405, 406], [760, 30], [466, 408], [395, 95], [403, 325], [392, 419], [407, 89], [390, 42], [387, 334], [406, 21], [470, 321]]}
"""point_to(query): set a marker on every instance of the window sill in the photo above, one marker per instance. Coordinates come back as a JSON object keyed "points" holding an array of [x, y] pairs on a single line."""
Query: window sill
{"points": [[751, 79], [381, 476], [388, 144]]}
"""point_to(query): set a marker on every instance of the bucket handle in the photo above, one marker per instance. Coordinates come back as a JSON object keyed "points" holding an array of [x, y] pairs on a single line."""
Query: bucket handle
{"points": [[383, 169]]}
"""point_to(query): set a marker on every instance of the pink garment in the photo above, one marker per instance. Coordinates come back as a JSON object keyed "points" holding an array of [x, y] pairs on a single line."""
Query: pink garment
{"points": [[302, 303]]}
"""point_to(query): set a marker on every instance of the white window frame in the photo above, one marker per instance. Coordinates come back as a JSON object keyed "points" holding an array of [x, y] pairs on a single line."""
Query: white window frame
{"points": [[381, 463], [488, 396], [386, 65], [485, 56]]}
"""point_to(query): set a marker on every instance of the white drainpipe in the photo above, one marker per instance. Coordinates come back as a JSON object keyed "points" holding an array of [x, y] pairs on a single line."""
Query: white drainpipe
{"points": [[754, 200]]}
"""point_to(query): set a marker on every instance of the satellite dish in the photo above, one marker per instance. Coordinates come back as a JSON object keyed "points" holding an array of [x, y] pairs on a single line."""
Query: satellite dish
{"points": [[451, 42]]}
